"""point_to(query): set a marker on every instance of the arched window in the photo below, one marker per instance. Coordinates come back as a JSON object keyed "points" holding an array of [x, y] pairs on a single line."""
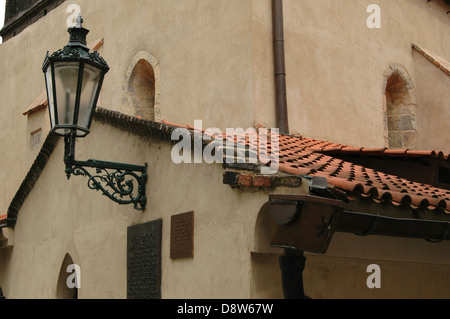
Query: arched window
{"points": [[400, 109], [142, 89], [63, 291]]}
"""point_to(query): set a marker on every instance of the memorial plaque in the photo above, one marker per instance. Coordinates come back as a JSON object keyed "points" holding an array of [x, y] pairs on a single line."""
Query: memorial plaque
{"points": [[182, 236], [144, 261]]}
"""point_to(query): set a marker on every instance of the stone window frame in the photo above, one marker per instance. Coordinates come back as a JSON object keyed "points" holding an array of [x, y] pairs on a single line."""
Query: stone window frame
{"points": [[127, 98], [406, 110]]}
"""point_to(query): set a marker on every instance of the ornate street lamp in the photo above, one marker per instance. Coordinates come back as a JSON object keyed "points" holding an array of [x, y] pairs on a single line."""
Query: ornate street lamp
{"points": [[74, 78]]}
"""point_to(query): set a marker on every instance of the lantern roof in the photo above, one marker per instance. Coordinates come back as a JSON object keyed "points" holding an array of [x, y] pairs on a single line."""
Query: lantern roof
{"points": [[77, 49]]}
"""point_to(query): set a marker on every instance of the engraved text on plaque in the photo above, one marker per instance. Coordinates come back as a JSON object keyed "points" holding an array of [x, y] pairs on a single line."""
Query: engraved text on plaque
{"points": [[144, 261]]}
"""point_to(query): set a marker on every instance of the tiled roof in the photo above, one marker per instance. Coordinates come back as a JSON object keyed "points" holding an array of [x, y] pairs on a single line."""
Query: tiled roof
{"points": [[308, 157], [330, 148], [299, 156], [38, 104]]}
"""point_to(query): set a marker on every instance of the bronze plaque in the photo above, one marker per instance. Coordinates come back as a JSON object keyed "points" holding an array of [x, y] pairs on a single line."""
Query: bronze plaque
{"points": [[144, 261], [182, 236]]}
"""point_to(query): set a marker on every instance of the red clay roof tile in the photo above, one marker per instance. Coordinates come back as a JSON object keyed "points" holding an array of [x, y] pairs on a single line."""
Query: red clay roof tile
{"points": [[39, 103], [303, 156]]}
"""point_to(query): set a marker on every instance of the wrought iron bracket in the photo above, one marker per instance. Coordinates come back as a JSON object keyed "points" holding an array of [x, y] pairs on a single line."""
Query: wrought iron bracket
{"points": [[115, 180]]}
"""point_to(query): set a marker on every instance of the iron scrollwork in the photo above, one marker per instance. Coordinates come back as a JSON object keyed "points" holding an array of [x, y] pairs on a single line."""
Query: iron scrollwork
{"points": [[118, 185], [117, 181]]}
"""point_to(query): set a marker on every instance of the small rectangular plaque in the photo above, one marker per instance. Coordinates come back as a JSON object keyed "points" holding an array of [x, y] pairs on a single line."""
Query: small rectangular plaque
{"points": [[36, 139], [144, 261], [182, 236]]}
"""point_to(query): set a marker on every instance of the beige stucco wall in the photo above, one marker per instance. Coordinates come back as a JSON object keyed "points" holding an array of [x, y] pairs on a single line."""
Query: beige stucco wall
{"points": [[327, 277], [409, 268], [230, 257], [335, 64], [202, 49], [61, 216], [215, 64], [433, 104], [215, 60]]}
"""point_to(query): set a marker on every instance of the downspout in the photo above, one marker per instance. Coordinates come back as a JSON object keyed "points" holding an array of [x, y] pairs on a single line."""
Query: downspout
{"points": [[280, 67], [292, 265]]}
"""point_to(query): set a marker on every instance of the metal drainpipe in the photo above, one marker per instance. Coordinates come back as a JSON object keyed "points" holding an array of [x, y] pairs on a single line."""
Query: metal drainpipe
{"points": [[280, 66], [292, 265]]}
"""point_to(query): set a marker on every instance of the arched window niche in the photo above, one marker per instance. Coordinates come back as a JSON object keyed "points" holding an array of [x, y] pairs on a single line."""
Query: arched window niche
{"points": [[399, 109], [142, 91]]}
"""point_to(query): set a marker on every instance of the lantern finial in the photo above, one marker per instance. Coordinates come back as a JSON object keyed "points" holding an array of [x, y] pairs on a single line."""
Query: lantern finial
{"points": [[79, 21]]}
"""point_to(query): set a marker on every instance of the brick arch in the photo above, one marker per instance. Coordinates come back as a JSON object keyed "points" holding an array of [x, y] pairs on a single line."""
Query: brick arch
{"points": [[399, 109], [141, 89]]}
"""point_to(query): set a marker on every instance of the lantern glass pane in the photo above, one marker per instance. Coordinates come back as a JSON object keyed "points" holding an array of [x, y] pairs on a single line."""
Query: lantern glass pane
{"points": [[66, 80], [91, 79], [51, 100]]}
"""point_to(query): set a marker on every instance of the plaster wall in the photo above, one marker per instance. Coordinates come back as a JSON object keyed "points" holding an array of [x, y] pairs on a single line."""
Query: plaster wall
{"points": [[434, 107], [409, 268], [232, 258], [215, 63], [215, 60], [202, 49], [61, 216], [329, 277], [335, 66]]}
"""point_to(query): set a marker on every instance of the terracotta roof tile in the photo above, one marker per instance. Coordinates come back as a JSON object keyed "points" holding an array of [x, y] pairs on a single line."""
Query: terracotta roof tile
{"points": [[357, 181], [94, 46], [339, 149], [39, 103], [303, 156]]}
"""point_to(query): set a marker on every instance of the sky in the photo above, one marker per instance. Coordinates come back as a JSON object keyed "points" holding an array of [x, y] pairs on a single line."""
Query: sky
{"points": [[2, 14]]}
